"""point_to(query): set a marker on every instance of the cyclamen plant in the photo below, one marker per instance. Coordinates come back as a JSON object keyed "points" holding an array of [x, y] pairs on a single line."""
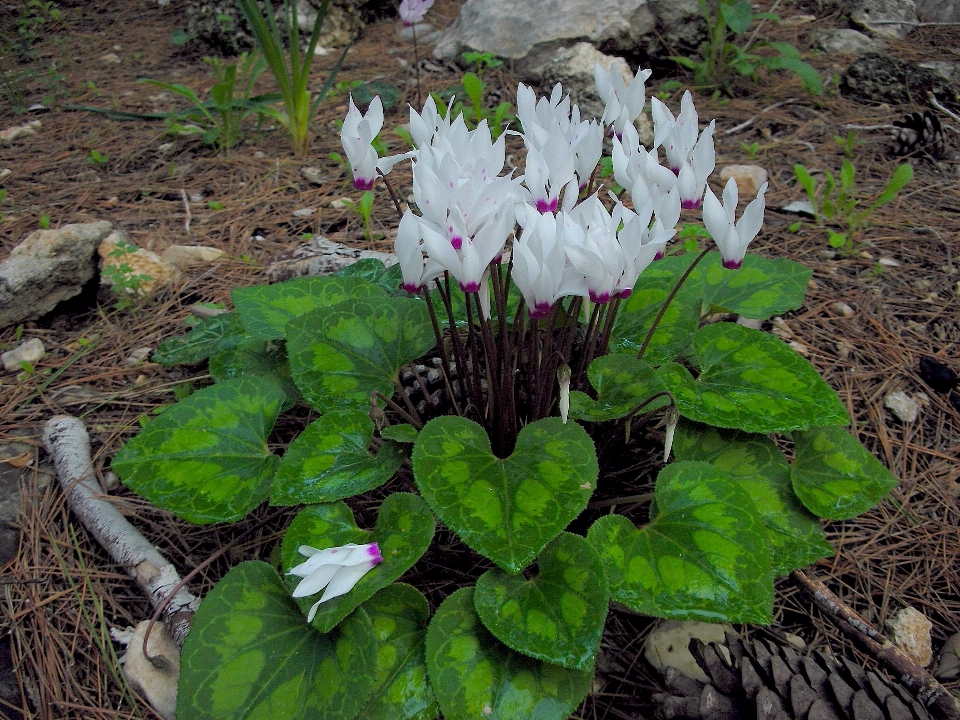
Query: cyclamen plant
{"points": [[441, 379]]}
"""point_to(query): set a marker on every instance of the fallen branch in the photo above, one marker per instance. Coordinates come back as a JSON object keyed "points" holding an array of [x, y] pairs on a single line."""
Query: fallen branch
{"points": [[928, 691], [66, 439]]}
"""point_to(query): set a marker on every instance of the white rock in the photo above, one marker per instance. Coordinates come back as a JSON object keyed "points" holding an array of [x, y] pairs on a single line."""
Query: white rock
{"points": [[902, 405], [842, 309], [949, 666], [314, 175], [800, 348], [19, 131], [110, 58], [140, 262], [781, 329], [750, 323], [911, 631], [888, 262], [667, 645], [881, 17], [340, 203], [5, 172], [843, 350], [31, 351], [847, 41], [304, 212], [186, 256], [800, 207], [138, 356], [111, 481], [426, 33], [749, 178], [157, 684]]}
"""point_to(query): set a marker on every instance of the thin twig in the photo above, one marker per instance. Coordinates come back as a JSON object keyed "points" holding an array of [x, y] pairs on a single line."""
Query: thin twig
{"points": [[186, 211]]}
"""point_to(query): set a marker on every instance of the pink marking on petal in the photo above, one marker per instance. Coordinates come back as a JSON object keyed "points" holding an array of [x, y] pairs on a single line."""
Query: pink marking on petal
{"points": [[497, 260], [600, 299], [675, 171], [732, 264], [658, 256], [540, 310], [545, 206], [410, 288], [457, 242], [374, 552], [690, 204], [470, 287], [364, 183], [624, 294]]}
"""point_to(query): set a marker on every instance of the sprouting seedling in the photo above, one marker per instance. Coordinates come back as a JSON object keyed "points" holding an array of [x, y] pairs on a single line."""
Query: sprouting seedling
{"points": [[363, 208], [97, 158], [481, 60], [751, 149]]}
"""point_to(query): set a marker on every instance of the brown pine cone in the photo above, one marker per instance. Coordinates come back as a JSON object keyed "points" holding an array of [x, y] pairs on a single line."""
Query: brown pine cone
{"points": [[770, 681]]}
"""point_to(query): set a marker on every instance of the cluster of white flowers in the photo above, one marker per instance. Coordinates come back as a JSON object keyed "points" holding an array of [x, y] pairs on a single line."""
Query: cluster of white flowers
{"points": [[568, 245]]}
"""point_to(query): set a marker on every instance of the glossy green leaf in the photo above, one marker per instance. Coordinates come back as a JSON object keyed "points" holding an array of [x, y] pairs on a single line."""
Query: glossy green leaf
{"points": [[329, 461], [340, 355], [622, 382], [265, 310], [835, 476], [401, 690], [680, 321], [250, 654], [705, 556], [474, 676], [761, 288], [750, 380], [403, 433], [206, 458], [796, 537], [209, 336], [404, 530], [256, 357], [374, 271], [506, 510], [557, 616]]}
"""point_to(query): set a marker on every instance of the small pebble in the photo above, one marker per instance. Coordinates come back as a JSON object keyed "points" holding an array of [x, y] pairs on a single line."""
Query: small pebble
{"points": [[31, 351], [781, 329], [888, 262], [911, 631], [138, 356], [843, 350], [748, 178], [750, 323], [304, 212], [340, 203], [842, 309], [196, 197], [902, 405], [110, 58], [800, 348], [865, 254], [111, 481]]}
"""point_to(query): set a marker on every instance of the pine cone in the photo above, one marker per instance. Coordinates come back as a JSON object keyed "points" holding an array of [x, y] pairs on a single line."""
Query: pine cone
{"points": [[918, 133], [768, 681]]}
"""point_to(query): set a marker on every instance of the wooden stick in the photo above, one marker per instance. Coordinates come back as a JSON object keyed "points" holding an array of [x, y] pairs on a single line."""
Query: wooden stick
{"points": [[66, 439], [928, 691]]}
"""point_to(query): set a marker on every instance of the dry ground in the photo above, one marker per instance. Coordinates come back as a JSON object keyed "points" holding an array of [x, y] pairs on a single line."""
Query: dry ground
{"points": [[60, 592]]}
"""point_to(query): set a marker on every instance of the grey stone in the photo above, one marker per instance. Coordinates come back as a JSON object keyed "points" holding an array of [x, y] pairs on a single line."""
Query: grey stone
{"points": [[881, 79], [847, 41], [902, 405], [947, 70], [31, 352], [939, 10], [531, 32], [887, 18], [48, 267], [426, 33], [320, 257]]}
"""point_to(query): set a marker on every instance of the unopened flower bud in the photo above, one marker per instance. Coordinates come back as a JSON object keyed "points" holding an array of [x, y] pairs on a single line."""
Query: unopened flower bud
{"points": [[563, 377]]}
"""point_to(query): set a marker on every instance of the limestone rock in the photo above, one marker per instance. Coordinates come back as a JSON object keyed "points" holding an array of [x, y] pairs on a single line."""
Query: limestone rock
{"points": [[31, 352], [886, 18], [667, 645], [949, 666], [186, 256], [946, 11], [949, 71], [48, 267], [749, 178], [426, 33], [157, 684], [843, 310], [911, 631], [847, 41], [320, 257], [530, 32], [902, 405], [880, 79], [142, 262], [19, 131]]}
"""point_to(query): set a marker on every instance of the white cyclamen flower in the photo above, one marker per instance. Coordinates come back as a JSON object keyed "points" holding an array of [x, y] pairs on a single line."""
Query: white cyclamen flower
{"points": [[540, 268], [412, 11], [334, 570], [357, 135], [623, 103], [732, 237]]}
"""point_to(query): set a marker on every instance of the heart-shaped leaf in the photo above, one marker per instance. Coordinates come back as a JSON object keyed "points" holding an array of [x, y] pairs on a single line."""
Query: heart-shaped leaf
{"points": [[506, 510], [679, 322], [835, 476], [207, 337], [256, 357], [374, 271], [704, 556], [796, 537], [751, 381], [622, 382], [474, 676], [206, 458], [266, 309], [404, 530], [558, 615], [761, 288], [250, 654], [403, 433], [340, 355], [329, 461], [401, 691]]}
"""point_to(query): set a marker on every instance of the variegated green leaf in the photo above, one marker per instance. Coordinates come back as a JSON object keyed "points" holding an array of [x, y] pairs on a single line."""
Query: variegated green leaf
{"points": [[206, 338], [622, 383]]}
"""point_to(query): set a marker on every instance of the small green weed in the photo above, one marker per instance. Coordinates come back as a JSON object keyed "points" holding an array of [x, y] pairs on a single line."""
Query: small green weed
{"points": [[126, 284]]}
